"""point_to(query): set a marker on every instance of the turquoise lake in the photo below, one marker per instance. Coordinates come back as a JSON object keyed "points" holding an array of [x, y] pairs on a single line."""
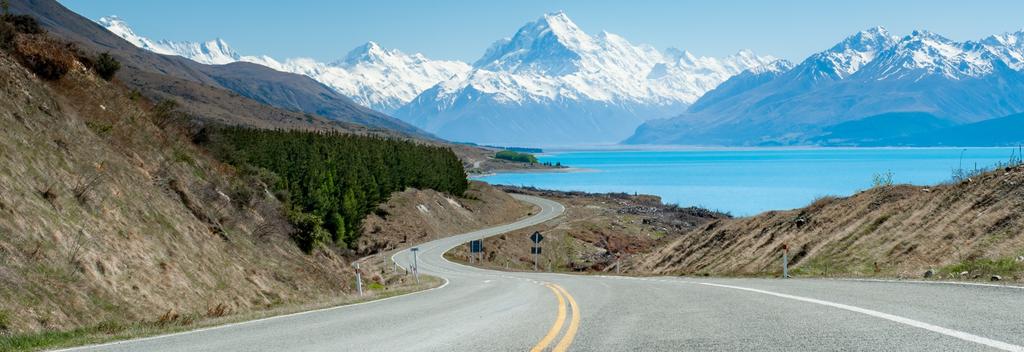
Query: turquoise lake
{"points": [[746, 182]]}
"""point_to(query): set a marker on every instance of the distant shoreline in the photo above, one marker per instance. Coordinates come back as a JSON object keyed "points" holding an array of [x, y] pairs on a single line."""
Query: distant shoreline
{"points": [[531, 171], [682, 148]]}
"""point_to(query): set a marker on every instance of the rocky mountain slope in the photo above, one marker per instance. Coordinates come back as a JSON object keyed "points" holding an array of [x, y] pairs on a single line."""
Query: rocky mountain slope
{"points": [[378, 78], [548, 80], [869, 73], [553, 84], [970, 229], [299, 101]]}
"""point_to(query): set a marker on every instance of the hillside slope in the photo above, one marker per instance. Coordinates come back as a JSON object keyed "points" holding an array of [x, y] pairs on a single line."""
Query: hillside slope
{"points": [[112, 221], [105, 218], [974, 226], [147, 71]]}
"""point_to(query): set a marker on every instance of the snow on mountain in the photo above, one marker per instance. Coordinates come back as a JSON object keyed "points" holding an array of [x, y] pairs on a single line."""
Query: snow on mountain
{"points": [[869, 73], [372, 76], [1008, 48], [923, 54], [552, 83], [847, 57], [212, 52]]}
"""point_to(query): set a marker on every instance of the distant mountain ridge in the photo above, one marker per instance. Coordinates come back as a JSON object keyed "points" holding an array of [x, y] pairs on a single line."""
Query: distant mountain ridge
{"points": [[869, 73], [378, 78], [551, 83]]}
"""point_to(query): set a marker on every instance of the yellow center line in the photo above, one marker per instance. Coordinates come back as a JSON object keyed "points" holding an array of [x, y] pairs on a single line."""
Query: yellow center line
{"points": [[555, 329], [574, 324]]}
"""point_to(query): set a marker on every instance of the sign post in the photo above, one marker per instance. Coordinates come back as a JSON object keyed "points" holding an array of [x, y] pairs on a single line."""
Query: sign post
{"points": [[475, 248], [536, 237], [415, 264], [785, 261], [359, 279]]}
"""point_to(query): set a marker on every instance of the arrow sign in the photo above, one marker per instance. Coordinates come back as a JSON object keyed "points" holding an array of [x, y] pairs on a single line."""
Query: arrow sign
{"points": [[535, 250], [536, 237]]}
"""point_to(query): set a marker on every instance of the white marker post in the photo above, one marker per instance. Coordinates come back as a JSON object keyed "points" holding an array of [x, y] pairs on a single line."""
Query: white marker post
{"points": [[415, 264], [359, 280], [785, 261]]}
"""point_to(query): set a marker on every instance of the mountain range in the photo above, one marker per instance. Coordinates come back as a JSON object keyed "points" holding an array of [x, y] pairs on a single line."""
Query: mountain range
{"points": [[550, 83], [868, 74], [378, 78]]}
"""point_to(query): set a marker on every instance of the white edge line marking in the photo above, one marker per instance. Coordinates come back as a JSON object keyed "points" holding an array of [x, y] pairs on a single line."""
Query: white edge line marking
{"points": [[527, 222], [115, 343], [932, 282], [895, 318]]}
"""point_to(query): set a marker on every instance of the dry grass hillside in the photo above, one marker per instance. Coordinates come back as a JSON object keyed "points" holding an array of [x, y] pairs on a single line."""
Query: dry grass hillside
{"points": [[597, 232], [416, 216], [110, 217], [107, 218], [972, 229]]}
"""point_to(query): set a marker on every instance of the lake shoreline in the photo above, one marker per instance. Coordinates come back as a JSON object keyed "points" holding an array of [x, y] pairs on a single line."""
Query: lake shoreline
{"points": [[747, 182]]}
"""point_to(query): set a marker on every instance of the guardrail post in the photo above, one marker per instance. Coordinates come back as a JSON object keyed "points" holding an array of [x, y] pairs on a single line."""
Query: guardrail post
{"points": [[359, 280], [785, 261]]}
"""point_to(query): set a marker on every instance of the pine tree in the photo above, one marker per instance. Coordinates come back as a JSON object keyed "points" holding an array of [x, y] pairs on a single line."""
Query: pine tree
{"points": [[331, 181]]}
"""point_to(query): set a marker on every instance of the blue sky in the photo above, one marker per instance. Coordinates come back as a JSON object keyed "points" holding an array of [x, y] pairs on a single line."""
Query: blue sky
{"points": [[462, 30]]}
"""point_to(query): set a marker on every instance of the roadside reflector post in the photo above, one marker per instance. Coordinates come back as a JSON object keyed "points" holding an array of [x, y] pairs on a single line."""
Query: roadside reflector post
{"points": [[359, 279], [785, 261], [415, 264]]}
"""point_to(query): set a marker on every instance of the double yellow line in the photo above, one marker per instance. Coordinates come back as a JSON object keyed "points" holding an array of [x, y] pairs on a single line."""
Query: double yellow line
{"points": [[574, 324]]}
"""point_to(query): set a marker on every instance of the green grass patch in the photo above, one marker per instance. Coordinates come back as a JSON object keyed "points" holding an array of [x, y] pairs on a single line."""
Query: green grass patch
{"points": [[986, 267], [100, 128]]}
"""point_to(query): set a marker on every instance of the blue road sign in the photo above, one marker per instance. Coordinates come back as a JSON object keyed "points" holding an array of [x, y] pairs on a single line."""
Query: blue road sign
{"points": [[536, 237]]}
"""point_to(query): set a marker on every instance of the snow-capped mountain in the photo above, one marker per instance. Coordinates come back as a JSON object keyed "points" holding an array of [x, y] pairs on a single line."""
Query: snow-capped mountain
{"points": [[372, 76], [551, 83], [212, 52], [867, 74]]}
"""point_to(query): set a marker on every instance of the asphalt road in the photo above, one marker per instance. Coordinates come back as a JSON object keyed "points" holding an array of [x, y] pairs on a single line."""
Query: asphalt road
{"points": [[483, 310]]}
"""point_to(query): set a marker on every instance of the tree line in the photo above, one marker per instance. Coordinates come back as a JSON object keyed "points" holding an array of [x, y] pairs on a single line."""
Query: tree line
{"points": [[330, 181]]}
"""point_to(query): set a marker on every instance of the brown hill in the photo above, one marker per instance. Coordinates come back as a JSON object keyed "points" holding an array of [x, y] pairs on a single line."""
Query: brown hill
{"points": [[970, 229], [115, 224]]}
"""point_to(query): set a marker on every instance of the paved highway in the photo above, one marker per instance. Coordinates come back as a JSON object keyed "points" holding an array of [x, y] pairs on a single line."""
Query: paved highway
{"points": [[483, 310]]}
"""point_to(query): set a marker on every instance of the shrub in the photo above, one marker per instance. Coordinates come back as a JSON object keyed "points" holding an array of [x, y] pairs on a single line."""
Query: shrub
{"points": [[309, 230], [24, 24], [106, 66], [5, 321], [47, 58], [6, 36], [516, 156], [166, 114], [882, 179]]}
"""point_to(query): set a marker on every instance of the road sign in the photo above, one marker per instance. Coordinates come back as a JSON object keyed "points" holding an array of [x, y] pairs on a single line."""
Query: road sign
{"points": [[535, 250], [476, 246], [414, 249], [536, 237]]}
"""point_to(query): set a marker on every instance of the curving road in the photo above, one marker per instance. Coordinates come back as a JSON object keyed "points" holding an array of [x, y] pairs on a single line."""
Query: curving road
{"points": [[483, 310]]}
